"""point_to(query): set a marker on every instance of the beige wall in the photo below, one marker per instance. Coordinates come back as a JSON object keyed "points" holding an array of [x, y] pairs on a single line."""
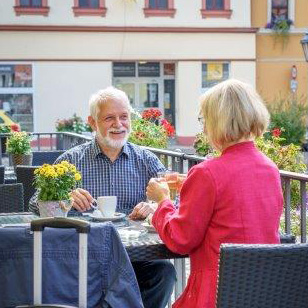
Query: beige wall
{"points": [[301, 11], [258, 13], [188, 90], [274, 63], [124, 46], [129, 13], [62, 89], [276, 56], [244, 70]]}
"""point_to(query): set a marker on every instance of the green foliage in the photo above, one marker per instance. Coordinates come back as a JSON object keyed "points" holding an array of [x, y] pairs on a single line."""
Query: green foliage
{"points": [[289, 115], [147, 133], [55, 182], [4, 129], [18, 143], [75, 124], [202, 146], [287, 157]]}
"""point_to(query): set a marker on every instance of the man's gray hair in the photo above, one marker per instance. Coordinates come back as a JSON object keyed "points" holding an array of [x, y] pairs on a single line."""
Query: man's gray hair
{"points": [[105, 95]]}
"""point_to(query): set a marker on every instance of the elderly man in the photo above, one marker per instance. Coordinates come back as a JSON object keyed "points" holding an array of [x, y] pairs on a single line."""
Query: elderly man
{"points": [[112, 166]]}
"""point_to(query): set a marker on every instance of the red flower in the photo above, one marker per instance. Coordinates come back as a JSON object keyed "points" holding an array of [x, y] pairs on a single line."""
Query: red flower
{"points": [[276, 132], [15, 128], [151, 114], [168, 128]]}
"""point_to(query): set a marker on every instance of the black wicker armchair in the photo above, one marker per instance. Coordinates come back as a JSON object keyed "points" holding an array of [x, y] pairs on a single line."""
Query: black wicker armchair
{"points": [[1, 174], [45, 157], [25, 175], [263, 276], [11, 198]]}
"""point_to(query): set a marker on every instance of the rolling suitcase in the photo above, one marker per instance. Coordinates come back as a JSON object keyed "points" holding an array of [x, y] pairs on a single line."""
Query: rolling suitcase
{"points": [[83, 228]]}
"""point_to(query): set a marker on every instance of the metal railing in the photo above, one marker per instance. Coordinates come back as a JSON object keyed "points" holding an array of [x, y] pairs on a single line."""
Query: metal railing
{"points": [[182, 162]]}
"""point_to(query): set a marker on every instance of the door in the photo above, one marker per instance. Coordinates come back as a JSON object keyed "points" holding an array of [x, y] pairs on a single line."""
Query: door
{"points": [[143, 93]]}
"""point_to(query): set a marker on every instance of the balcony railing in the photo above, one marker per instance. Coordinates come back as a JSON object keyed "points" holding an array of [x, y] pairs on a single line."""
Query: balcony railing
{"points": [[180, 162]]}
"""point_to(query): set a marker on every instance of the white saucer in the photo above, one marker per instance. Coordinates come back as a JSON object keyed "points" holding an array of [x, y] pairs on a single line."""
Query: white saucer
{"points": [[150, 228], [115, 217]]}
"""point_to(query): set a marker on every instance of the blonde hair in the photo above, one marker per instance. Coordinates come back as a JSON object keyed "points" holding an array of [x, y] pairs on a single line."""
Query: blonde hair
{"points": [[233, 110], [105, 95]]}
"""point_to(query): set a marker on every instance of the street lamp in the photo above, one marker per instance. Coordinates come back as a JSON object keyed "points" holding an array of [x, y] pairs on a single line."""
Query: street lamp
{"points": [[304, 43]]}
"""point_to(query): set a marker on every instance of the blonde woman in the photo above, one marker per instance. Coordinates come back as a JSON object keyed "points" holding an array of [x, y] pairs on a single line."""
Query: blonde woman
{"points": [[235, 198]]}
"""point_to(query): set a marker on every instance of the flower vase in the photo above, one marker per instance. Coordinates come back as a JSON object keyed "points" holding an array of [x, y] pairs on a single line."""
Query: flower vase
{"points": [[21, 159], [54, 208]]}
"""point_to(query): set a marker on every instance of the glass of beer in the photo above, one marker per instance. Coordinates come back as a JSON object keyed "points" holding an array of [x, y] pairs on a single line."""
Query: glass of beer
{"points": [[171, 177]]}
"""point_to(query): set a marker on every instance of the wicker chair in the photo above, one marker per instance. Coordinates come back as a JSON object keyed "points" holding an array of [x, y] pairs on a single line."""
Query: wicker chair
{"points": [[1, 174], [45, 157], [263, 276], [11, 196], [25, 175]]}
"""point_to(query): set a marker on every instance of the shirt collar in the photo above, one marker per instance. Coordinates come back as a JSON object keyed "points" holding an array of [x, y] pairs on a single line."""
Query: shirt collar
{"points": [[96, 150]]}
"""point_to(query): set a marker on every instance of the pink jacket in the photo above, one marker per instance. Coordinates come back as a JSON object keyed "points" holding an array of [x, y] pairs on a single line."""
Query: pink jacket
{"points": [[235, 198]]}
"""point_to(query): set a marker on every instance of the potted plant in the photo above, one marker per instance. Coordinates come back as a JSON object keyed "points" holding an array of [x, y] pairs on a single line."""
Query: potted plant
{"points": [[55, 184], [19, 147], [281, 27], [6, 129], [148, 129]]}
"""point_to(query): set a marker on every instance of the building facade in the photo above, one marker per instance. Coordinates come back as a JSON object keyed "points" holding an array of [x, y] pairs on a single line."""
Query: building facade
{"points": [[163, 53], [281, 70]]}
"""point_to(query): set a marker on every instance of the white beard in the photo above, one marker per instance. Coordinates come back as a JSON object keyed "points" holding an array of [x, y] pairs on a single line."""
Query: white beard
{"points": [[109, 142]]}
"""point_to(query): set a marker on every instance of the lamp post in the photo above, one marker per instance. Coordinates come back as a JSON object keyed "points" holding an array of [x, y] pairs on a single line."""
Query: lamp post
{"points": [[304, 43]]}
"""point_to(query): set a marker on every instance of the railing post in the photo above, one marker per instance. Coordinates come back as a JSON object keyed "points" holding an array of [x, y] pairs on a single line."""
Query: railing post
{"points": [[287, 202], [303, 212]]}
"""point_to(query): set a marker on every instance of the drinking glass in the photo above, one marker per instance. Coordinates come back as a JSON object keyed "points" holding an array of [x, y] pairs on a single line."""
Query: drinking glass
{"points": [[171, 177]]}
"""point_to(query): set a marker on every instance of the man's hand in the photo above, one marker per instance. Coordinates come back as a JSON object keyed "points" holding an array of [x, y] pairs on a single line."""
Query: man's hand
{"points": [[142, 210], [82, 199]]}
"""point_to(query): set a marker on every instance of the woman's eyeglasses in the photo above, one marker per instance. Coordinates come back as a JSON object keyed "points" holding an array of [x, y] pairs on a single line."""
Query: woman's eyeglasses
{"points": [[201, 120]]}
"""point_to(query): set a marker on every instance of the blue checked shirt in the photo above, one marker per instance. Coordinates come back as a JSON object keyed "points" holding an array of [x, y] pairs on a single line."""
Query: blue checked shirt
{"points": [[126, 177]]}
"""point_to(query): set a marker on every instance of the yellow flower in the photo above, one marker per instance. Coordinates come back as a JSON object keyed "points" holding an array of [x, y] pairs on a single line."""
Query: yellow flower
{"points": [[77, 176]]}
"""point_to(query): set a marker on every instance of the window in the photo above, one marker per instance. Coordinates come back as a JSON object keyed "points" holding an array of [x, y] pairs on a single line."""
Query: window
{"points": [[158, 4], [279, 10], [16, 93], [31, 7], [214, 73], [214, 4], [89, 8], [89, 3], [31, 3], [216, 8], [159, 8]]}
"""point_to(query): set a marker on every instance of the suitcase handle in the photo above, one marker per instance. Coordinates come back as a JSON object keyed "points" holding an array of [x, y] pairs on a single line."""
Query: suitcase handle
{"points": [[81, 226]]}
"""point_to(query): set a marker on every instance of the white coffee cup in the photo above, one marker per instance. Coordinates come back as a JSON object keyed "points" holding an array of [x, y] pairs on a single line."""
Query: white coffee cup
{"points": [[107, 205]]}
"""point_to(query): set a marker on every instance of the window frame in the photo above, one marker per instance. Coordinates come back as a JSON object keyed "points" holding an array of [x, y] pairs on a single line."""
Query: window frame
{"points": [[169, 12], [225, 13], [84, 11], [291, 10], [31, 10]]}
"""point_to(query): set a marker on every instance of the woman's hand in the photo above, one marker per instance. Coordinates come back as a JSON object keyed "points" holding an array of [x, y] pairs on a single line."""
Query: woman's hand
{"points": [[158, 190]]}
